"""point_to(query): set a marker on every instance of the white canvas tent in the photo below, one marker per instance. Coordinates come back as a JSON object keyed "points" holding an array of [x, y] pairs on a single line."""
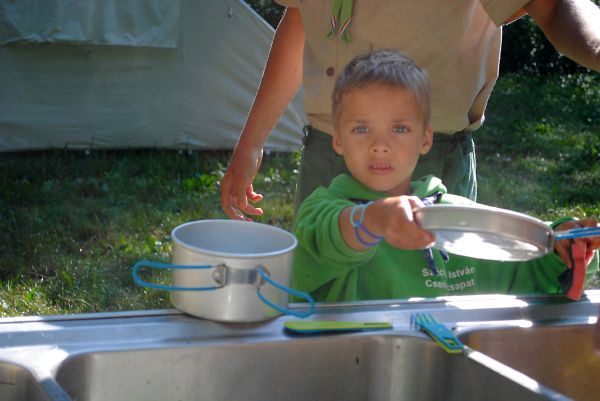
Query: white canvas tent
{"points": [[178, 74]]}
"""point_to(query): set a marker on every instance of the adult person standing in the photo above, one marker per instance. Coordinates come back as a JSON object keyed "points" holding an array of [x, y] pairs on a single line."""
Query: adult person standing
{"points": [[458, 43]]}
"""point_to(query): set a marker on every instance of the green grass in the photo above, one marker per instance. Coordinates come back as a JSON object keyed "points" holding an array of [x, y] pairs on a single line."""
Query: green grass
{"points": [[73, 223], [539, 151]]}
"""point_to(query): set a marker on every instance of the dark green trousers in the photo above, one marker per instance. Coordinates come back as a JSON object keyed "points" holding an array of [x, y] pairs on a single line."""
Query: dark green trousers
{"points": [[451, 158]]}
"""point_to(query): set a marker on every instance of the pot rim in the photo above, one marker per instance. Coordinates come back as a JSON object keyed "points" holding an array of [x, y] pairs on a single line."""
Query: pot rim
{"points": [[229, 254]]}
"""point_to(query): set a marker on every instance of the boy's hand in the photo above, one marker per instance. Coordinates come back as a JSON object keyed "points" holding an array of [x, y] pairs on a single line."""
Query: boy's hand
{"points": [[589, 244], [398, 223], [577, 255], [391, 218]]}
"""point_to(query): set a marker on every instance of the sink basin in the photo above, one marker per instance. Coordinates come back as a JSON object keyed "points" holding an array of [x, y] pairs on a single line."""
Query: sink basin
{"points": [[329, 367], [167, 355], [17, 384], [560, 357]]}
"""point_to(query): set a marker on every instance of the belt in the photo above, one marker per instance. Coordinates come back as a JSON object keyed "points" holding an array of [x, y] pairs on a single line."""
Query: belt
{"points": [[457, 137]]}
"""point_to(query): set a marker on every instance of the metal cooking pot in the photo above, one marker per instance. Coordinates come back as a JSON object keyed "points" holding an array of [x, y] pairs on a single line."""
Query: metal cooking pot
{"points": [[491, 233], [229, 270]]}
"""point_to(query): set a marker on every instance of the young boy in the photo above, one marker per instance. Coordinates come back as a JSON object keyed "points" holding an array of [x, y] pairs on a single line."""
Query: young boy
{"points": [[357, 239]]}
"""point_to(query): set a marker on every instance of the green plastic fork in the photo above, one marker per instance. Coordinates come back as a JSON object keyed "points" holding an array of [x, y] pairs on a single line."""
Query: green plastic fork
{"points": [[440, 333]]}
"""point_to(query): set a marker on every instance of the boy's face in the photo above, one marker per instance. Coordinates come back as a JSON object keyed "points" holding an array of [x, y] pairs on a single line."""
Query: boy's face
{"points": [[381, 134]]}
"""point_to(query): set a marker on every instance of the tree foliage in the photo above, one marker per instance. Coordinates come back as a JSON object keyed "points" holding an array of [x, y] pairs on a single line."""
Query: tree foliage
{"points": [[525, 48], [268, 9]]}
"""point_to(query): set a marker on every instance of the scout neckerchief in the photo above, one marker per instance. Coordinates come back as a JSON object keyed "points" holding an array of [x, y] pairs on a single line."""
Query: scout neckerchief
{"points": [[341, 17]]}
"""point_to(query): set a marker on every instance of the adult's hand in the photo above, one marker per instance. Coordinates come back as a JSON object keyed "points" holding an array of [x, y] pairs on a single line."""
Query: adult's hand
{"points": [[237, 190]]}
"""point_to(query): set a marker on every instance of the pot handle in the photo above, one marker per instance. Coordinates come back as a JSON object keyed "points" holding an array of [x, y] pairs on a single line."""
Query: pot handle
{"points": [[157, 265], [300, 294], [577, 233]]}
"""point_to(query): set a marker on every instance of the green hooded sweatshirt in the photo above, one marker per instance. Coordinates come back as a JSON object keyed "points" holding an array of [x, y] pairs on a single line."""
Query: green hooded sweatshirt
{"points": [[328, 269]]}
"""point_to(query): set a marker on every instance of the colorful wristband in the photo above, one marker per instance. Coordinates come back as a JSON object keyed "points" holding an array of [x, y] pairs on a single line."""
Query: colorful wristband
{"points": [[360, 228]]}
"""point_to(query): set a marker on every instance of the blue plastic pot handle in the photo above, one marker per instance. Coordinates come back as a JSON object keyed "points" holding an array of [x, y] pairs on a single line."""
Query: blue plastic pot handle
{"points": [[577, 233], [290, 291], [156, 265]]}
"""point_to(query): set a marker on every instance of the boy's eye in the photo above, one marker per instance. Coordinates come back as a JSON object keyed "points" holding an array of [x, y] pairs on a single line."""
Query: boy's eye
{"points": [[400, 129], [360, 130]]}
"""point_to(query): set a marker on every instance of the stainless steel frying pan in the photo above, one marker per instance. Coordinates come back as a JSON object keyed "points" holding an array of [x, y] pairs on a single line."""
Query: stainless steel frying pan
{"points": [[491, 233]]}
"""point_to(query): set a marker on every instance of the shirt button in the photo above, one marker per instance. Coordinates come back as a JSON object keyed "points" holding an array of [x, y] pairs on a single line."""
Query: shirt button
{"points": [[330, 71]]}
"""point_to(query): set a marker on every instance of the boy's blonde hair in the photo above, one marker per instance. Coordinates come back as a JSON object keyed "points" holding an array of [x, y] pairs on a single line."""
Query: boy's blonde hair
{"points": [[383, 67]]}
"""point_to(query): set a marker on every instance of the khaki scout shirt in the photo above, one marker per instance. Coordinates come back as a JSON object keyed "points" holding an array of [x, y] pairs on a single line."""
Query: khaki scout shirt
{"points": [[456, 41]]}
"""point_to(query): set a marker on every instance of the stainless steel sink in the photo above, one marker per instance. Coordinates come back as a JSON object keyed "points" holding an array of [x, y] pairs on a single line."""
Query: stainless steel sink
{"points": [[356, 367], [167, 355], [18, 384], [560, 356]]}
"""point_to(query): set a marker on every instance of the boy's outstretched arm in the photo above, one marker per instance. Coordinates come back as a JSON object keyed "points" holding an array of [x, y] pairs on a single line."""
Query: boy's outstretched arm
{"points": [[391, 218]]}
